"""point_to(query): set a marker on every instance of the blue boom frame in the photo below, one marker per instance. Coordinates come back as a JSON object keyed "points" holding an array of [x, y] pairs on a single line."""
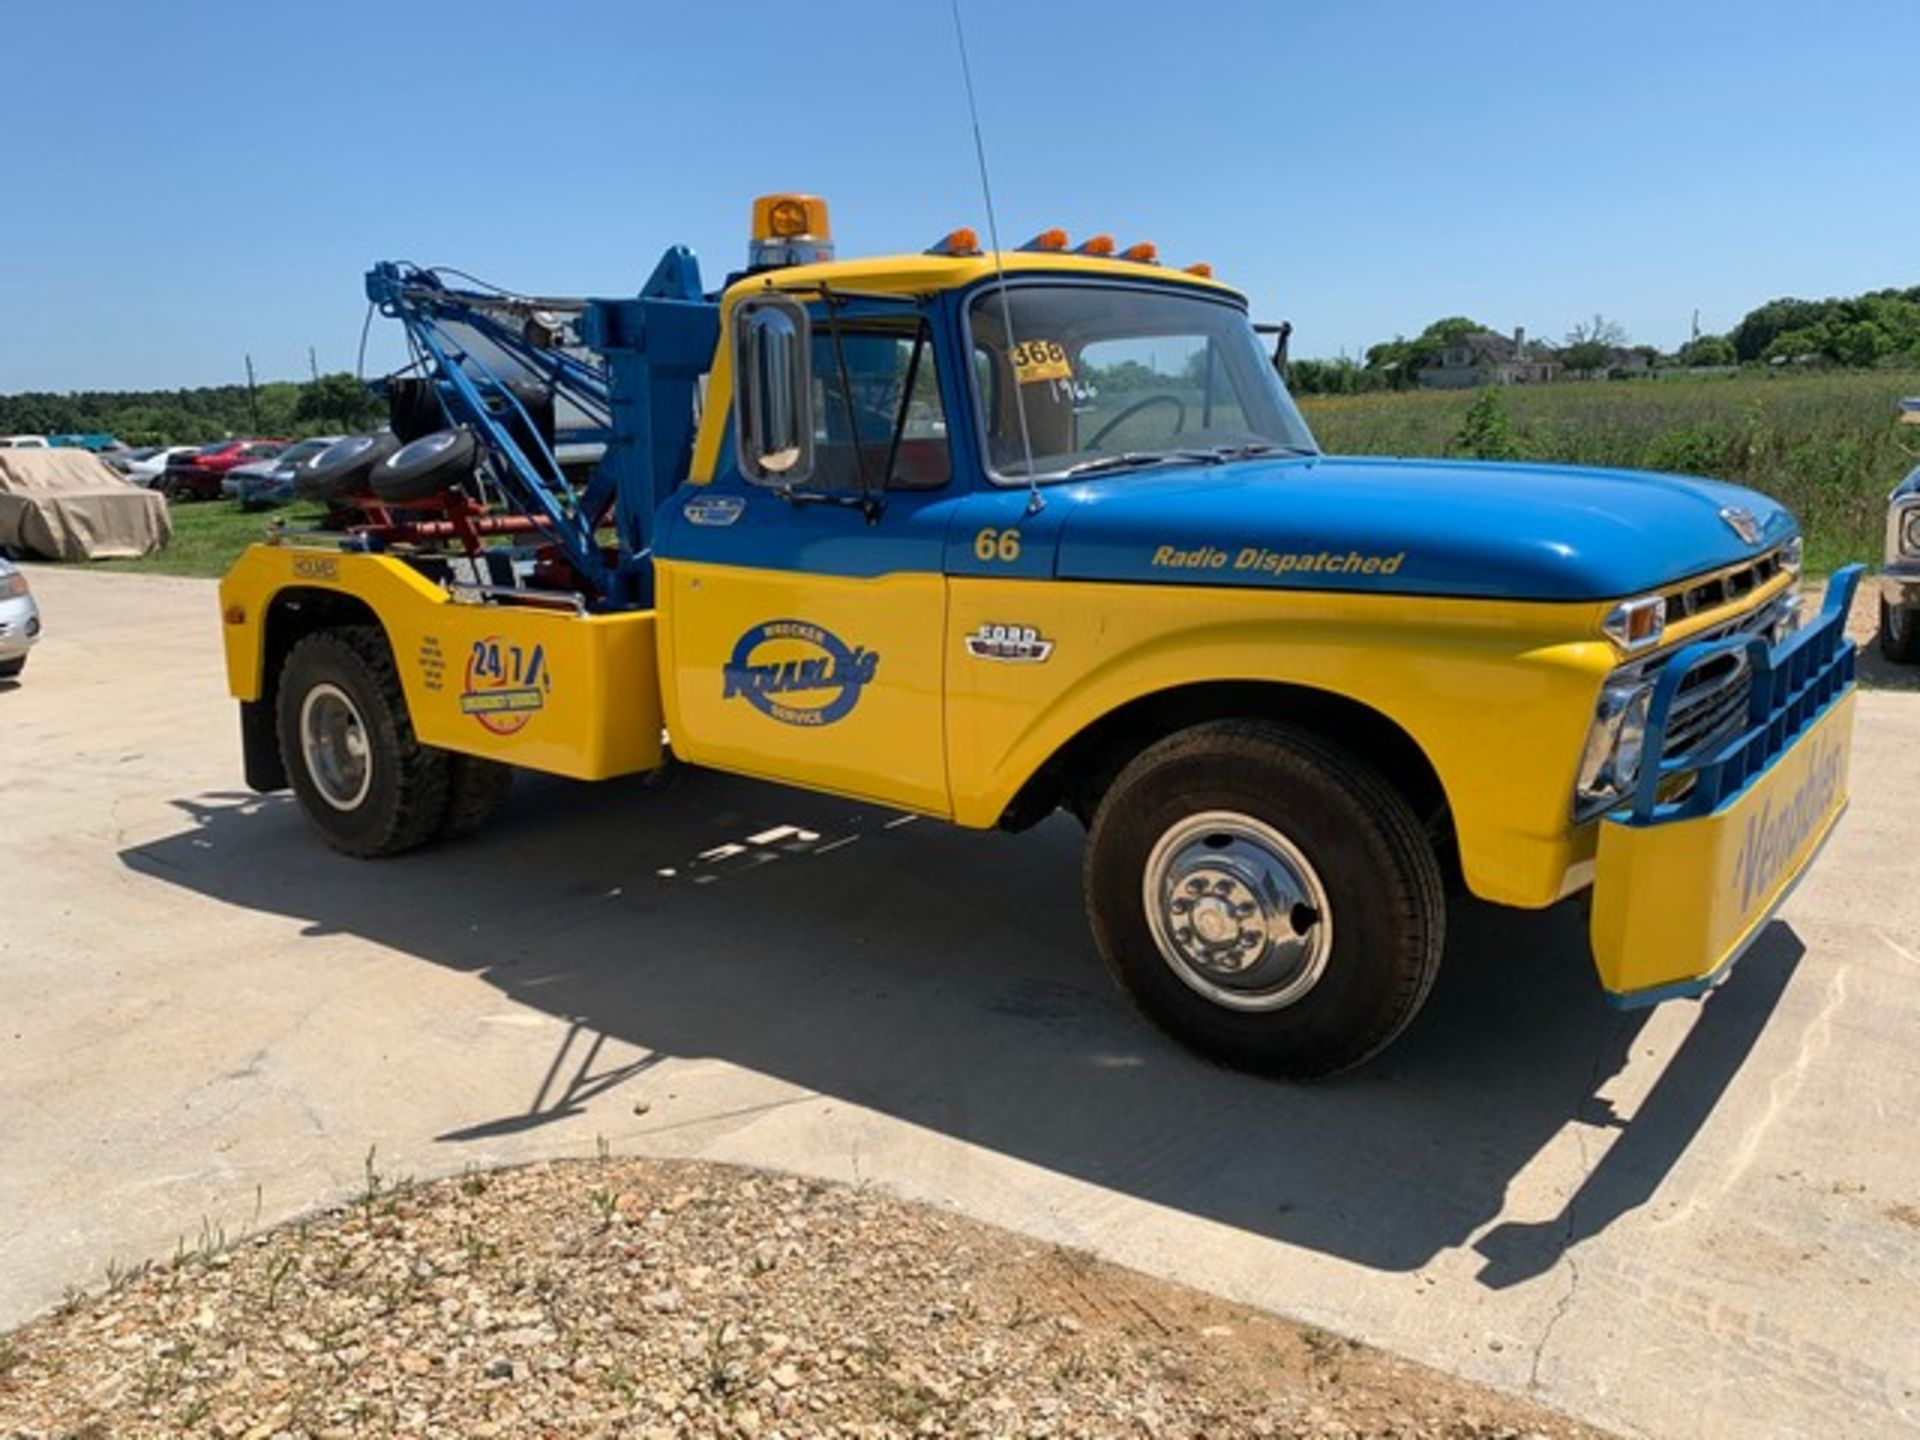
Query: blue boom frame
{"points": [[632, 368]]}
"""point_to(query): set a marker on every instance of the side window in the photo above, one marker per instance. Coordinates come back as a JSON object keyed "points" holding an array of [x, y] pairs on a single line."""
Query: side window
{"points": [[869, 385]]}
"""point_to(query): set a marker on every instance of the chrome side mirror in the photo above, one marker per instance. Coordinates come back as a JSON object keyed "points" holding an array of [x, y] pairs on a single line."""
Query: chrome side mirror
{"points": [[773, 390]]}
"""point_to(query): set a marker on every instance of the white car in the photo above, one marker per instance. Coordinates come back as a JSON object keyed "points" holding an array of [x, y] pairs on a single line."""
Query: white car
{"points": [[23, 442], [19, 620], [150, 465]]}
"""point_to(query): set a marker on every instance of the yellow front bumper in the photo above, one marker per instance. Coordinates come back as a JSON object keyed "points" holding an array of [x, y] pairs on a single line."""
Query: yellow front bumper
{"points": [[1680, 890]]}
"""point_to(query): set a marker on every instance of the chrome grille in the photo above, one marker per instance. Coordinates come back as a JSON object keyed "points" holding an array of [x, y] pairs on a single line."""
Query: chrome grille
{"points": [[1711, 706], [1725, 588]]}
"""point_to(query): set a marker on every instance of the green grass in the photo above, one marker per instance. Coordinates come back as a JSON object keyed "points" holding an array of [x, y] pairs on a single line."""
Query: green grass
{"points": [[1825, 445], [208, 535]]}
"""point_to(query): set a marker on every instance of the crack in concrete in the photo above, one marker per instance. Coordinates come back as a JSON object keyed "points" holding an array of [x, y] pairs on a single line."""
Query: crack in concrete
{"points": [[1570, 1228]]}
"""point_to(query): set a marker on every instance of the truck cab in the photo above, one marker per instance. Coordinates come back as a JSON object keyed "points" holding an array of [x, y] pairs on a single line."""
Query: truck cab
{"points": [[984, 536]]}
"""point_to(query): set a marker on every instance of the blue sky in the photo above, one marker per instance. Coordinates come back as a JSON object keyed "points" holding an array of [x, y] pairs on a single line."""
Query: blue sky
{"points": [[190, 183]]}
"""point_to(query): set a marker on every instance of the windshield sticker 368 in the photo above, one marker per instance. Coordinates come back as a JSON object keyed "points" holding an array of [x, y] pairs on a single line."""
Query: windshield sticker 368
{"points": [[1254, 560]]}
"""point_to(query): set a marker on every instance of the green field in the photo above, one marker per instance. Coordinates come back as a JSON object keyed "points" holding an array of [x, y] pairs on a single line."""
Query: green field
{"points": [[1825, 445], [209, 534]]}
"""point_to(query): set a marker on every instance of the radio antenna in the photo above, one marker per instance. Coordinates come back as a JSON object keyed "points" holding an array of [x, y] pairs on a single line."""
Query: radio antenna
{"points": [[1034, 502]]}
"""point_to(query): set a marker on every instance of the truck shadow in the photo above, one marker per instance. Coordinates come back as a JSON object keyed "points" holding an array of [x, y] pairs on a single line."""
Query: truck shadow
{"points": [[946, 978]]}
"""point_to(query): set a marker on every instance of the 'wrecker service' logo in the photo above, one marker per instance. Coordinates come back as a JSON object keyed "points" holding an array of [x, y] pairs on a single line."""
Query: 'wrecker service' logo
{"points": [[798, 673]]}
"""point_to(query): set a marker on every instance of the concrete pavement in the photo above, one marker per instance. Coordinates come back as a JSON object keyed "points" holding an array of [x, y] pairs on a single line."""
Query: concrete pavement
{"points": [[1703, 1220]]}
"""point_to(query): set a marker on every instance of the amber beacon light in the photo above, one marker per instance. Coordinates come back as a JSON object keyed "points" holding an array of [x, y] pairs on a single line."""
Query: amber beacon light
{"points": [[790, 230]]}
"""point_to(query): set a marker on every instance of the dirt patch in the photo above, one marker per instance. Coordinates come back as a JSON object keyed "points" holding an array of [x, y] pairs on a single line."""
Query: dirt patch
{"points": [[648, 1299]]}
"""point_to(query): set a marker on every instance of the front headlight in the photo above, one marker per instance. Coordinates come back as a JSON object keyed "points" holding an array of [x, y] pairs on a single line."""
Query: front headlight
{"points": [[12, 583], [1910, 531], [1615, 746]]}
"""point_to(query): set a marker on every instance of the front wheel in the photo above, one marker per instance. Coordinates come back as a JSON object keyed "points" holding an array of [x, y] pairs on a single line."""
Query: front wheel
{"points": [[1900, 632], [1265, 898], [366, 784]]}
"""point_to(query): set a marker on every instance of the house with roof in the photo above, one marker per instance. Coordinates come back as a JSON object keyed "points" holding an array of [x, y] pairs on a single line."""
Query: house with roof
{"points": [[1486, 357]]}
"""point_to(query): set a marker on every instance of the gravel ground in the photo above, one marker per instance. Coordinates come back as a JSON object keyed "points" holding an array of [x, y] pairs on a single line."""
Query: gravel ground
{"points": [[651, 1299]]}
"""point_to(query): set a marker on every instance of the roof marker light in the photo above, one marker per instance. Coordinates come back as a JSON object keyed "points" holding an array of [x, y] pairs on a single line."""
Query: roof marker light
{"points": [[1145, 253], [1054, 239], [1202, 269], [1100, 245], [956, 242]]}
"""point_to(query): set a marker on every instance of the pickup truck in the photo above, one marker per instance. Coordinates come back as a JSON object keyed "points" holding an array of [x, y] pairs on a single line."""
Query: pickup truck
{"points": [[986, 536], [1900, 579]]}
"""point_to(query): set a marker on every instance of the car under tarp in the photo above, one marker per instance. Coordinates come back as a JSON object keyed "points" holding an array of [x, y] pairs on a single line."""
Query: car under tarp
{"points": [[70, 505]]}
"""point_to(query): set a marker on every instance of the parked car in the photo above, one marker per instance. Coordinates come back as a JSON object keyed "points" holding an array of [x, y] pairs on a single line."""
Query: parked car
{"points": [[19, 620], [260, 483], [23, 442], [197, 476], [146, 465]]}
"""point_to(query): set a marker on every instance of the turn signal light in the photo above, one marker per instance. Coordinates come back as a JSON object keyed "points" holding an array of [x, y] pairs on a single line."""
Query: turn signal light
{"points": [[1145, 253], [1101, 245], [1636, 624], [1054, 239], [956, 242], [234, 614]]}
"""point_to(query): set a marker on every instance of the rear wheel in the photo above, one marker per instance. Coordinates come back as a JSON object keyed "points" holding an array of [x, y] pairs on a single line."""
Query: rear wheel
{"points": [[1900, 632], [1265, 898], [367, 785], [476, 789]]}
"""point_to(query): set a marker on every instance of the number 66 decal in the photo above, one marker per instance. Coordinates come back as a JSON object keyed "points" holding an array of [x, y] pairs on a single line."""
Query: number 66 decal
{"points": [[992, 544]]}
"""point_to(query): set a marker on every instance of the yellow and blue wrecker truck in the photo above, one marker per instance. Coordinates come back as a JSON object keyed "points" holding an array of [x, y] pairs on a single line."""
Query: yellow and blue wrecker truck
{"points": [[983, 536]]}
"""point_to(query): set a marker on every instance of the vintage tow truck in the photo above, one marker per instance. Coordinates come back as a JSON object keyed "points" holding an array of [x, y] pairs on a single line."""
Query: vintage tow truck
{"points": [[983, 536]]}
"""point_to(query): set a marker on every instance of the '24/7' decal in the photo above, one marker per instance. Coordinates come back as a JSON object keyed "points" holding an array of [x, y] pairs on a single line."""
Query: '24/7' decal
{"points": [[505, 684], [798, 673]]}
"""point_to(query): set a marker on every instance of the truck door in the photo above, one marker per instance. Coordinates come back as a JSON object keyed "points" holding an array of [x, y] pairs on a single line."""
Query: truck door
{"points": [[803, 621]]}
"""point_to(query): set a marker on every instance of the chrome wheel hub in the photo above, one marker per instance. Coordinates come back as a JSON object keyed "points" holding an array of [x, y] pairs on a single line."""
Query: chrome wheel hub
{"points": [[1237, 911], [333, 741]]}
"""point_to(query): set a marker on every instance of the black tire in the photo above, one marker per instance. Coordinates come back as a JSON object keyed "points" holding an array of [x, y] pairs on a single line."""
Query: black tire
{"points": [[426, 468], [1385, 908], [10, 669], [341, 470], [1900, 632], [402, 800], [475, 791]]}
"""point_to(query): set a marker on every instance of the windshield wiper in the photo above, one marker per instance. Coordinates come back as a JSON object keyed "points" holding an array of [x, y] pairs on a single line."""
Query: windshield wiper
{"points": [[1142, 459], [1262, 447]]}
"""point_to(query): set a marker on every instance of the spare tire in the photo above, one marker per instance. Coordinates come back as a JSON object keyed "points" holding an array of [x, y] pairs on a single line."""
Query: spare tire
{"points": [[341, 469], [426, 468]]}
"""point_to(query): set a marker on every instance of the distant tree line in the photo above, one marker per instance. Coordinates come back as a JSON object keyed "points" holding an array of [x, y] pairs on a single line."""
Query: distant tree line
{"points": [[1879, 328], [333, 404]]}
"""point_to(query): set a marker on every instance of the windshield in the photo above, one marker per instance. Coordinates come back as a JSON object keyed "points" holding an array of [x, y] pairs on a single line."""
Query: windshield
{"points": [[1114, 377]]}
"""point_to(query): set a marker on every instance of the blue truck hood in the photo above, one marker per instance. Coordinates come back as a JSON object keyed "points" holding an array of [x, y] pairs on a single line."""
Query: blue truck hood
{"points": [[1417, 527]]}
